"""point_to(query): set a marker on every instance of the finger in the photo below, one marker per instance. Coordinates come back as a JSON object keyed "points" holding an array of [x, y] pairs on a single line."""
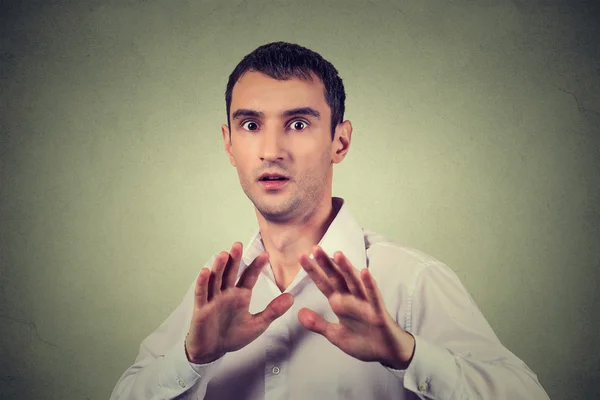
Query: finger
{"points": [[353, 281], [373, 293], [233, 266], [250, 275], [275, 309], [317, 275], [201, 289], [216, 275], [348, 306], [330, 269], [315, 323]]}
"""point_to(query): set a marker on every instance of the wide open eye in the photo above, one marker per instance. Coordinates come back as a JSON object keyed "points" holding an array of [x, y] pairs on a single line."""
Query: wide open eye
{"points": [[298, 125], [250, 125]]}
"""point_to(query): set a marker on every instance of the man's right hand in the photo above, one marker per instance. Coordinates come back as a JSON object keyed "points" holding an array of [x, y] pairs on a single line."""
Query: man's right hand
{"points": [[221, 322]]}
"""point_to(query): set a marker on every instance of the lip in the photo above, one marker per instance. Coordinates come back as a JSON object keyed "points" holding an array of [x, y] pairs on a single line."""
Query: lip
{"points": [[273, 185], [271, 174]]}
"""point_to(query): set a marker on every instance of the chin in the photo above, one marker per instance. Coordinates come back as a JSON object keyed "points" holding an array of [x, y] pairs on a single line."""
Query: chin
{"points": [[271, 216], [276, 210]]}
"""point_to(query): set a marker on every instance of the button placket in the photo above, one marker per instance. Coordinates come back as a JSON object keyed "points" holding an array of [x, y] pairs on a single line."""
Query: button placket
{"points": [[276, 354]]}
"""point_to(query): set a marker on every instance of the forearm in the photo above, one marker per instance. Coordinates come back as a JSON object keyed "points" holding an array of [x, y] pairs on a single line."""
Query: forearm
{"points": [[163, 377], [435, 372]]}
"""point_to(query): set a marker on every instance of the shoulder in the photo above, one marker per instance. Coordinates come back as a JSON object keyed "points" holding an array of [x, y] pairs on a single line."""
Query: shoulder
{"points": [[399, 266], [408, 277], [384, 253]]}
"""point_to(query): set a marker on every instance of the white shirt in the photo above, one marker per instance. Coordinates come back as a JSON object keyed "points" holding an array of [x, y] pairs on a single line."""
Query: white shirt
{"points": [[457, 355]]}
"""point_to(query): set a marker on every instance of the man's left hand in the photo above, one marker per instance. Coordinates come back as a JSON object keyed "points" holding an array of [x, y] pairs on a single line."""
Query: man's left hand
{"points": [[365, 330]]}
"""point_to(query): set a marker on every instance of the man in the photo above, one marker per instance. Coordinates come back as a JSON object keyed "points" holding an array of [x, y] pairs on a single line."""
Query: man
{"points": [[315, 307]]}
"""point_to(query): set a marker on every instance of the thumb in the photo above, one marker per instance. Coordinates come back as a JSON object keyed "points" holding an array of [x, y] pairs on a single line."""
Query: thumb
{"points": [[313, 321], [275, 309]]}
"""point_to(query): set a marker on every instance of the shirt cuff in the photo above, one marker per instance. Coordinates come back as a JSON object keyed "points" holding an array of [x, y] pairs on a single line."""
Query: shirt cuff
{"points": [[432, 371], [179, 375]]}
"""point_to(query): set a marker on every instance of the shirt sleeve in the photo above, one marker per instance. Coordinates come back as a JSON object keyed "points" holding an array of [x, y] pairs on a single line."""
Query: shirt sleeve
{"points": [[161, 369], [457, 354]]}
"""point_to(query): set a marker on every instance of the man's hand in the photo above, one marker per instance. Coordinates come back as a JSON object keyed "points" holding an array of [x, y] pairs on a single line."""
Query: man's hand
{"points": [[365, 330], [221, 322]]}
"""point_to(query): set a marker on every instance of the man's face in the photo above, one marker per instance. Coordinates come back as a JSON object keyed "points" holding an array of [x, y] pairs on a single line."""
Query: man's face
{"points": [[282, 127]]}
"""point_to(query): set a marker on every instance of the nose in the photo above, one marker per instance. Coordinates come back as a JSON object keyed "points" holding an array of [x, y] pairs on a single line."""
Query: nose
{"points": [[272, 145]]}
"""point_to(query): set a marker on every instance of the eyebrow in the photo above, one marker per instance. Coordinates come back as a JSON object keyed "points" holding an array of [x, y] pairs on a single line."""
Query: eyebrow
{"points": [[243, 112]]}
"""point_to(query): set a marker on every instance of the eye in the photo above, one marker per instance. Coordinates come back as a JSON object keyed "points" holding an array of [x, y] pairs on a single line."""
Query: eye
{"points": [[298, 125], [250, 125]]}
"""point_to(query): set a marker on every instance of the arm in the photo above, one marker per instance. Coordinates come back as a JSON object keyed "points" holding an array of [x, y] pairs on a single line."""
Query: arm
{"points": [[161, 369], [457, 355], [448, 350], [212, 320]]}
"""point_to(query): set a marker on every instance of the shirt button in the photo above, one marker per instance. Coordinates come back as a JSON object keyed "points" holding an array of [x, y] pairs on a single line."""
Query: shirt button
{"points": [[423, 386], [181, 382], [275, 370]]}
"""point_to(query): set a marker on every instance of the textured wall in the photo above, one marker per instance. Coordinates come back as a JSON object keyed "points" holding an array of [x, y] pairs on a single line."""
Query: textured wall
{"points": [[476, 139]]}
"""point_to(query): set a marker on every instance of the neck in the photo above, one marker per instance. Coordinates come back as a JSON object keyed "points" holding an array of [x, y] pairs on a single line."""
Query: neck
{"points": [[286, 241]]}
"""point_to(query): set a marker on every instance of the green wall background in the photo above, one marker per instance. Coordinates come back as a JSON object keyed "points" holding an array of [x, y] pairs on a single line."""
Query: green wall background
{"points": [[476, 139]]}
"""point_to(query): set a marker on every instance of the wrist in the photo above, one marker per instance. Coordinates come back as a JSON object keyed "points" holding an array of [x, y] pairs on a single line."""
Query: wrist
{"points": [[401, 360], [199, 358]]}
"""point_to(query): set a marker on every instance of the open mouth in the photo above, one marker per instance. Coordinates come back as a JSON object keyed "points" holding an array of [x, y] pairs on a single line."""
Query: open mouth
{"points": [[272, 182], [273, 176], [273, 179]]}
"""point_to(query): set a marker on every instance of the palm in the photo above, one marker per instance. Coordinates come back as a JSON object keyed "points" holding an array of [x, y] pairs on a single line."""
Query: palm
{"points": [[365, 329], [351, 339], [221, 321], [230, 330], [364, 337]]}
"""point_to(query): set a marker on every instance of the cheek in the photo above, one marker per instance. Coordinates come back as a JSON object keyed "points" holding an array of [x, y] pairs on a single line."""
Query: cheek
{"points": [[241, 160], [316, 163], [244, 171]]}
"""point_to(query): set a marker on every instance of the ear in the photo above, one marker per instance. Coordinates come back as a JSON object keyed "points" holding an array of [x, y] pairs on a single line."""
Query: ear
{"points": [[227, 142], [341, 141]]}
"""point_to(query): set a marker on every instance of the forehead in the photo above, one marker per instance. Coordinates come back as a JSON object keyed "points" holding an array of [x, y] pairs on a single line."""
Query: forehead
{"points": [[257, 91]]}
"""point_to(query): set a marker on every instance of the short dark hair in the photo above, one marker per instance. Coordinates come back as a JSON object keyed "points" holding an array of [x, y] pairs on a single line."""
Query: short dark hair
{"points": [[282, 61]]}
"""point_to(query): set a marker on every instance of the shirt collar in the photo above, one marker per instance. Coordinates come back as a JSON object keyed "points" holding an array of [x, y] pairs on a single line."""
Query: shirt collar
{"points": [[344, 234]]}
